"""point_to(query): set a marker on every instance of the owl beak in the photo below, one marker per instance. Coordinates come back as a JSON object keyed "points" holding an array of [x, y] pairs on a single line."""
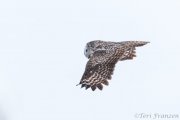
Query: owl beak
{"points": [[89, 56]]}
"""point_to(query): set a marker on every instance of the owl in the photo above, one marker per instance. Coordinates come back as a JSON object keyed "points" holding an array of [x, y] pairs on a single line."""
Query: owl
{"points": [[103, 56]]}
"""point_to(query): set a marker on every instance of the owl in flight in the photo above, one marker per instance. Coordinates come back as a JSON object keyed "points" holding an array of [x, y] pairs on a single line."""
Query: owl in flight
{"points": [[103, 55]]}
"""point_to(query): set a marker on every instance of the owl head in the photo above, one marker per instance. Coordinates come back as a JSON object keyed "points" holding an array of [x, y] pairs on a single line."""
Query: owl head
{"points": [[93, 46]]}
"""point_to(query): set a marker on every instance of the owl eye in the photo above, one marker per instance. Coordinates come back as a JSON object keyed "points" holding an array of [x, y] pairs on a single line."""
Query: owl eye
{"points": [[86, 50]]}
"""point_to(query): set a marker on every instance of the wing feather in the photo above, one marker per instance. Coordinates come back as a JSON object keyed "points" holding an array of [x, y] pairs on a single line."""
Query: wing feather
{"points": [[100, 68]]}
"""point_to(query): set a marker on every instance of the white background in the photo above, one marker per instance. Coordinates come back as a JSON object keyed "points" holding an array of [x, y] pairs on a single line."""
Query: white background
{"points": [[42, 60]]}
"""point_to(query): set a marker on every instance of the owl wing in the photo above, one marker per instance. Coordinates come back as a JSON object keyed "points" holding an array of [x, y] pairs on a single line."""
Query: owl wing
{"points": [[99, 68], [129, 54], [129, 49]]}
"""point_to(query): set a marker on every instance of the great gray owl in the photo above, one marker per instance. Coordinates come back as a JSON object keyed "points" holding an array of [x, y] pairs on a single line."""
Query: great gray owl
{"points": [[103, 55]]}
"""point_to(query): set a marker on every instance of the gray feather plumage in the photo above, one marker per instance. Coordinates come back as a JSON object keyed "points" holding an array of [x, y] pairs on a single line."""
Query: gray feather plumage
{"points": [[103, 55]]}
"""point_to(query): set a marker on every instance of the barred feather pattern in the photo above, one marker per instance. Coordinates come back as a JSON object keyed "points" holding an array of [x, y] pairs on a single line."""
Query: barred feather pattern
{"points": [[103, 57]]}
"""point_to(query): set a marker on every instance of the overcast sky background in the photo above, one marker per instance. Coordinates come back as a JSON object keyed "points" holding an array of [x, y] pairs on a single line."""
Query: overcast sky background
{"points": [[42, 60]]}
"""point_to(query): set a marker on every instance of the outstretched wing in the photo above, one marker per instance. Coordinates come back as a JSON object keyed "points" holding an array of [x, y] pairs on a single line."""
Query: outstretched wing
{"points": [[128, 54], [99, 68], [129, 49]]}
